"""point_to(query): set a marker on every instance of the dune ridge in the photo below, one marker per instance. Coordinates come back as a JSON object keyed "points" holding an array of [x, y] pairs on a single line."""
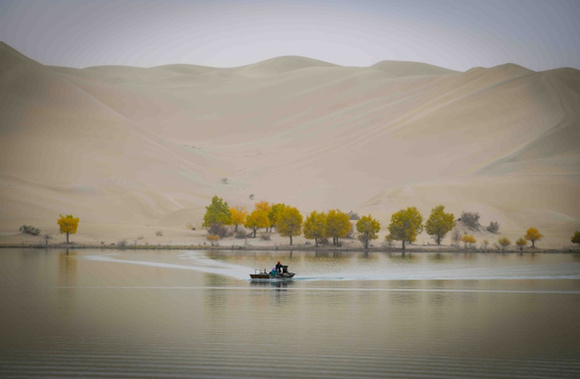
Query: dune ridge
{"points": [[148, 147]]}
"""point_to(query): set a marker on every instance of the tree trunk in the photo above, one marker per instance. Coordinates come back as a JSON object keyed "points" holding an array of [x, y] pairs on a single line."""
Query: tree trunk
{"points": [[67, 237], [438, 240], [315, 241], [236, 229], [533, 246], [366, 243], [290, 240], [255, 230], [403, 245]]}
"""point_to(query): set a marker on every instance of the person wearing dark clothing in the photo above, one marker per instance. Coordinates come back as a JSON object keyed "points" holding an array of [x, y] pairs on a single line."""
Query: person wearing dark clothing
{"points": [[279, 267]]}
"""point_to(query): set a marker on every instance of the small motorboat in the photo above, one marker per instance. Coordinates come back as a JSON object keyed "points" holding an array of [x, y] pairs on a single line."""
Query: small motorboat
{"points": [[265, 274]]}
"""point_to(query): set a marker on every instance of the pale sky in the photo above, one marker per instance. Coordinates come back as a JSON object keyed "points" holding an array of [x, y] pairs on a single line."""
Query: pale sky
{"points": [[456, 34]]}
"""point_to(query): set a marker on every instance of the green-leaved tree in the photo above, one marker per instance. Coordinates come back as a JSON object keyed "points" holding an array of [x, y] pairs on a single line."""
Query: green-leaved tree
{"points": [[218, 212]]}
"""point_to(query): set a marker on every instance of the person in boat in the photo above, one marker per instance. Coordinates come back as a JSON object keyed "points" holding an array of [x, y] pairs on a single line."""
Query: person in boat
{"points": [[278, 268]]}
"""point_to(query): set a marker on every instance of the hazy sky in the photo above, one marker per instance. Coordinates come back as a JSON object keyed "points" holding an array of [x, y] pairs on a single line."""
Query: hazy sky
{"points": [[456, 34]]}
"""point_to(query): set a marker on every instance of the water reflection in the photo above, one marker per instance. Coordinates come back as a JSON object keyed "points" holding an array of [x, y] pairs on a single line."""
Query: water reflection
{"points": [[272, 283], [67, 281], [346, 315]]}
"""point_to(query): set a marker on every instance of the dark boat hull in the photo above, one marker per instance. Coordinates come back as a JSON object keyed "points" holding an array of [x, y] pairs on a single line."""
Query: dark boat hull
{"points": [[284, 276]]}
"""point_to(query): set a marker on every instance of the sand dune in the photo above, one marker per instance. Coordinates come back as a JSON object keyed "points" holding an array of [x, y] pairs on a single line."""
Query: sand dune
{"points": [[142, 148]]}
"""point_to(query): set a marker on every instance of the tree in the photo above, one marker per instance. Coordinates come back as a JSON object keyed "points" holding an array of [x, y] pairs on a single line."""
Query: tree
{"points": [[576, 237], [218, 212], [337, 225], [439, 223], [533, 235], [367, 228], [290, 223], [389, 241], [468, 239], [315, 226], [257, 219], [504, 243], [68, 224], [238, 216], [484, 244], [405, 225], [274, 214], [263, 206], [521, 243], [455, 236]]}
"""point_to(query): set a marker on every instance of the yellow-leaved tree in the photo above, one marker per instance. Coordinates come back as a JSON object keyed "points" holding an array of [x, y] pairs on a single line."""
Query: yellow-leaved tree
{"points": [[504, 243], [315, 226], [533, 235], [468, 239], [68, 224], [367, 228], [439, 223], [337, 225], [257, 219], [290, 223], [521, 243], [275, 213], [239, 215], [405, 225]]}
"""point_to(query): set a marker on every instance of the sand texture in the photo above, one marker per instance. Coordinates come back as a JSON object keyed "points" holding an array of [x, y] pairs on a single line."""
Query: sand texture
{"points": [[131, 151]]}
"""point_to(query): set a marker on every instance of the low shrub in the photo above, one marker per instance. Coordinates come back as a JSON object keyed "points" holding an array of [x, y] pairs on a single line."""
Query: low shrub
{"points": [[241, 234], [470, 220], [353, 216], [218, 230], [493, 227], [29, 229]]}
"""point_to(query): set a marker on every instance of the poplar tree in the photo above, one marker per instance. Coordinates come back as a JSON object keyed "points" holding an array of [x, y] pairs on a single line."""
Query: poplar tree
{"points": [[290, 223], [315, 226]]}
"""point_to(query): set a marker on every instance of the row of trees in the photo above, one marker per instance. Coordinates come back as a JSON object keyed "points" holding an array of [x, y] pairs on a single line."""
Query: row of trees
{"points": [[405, 225], [532, 234]]}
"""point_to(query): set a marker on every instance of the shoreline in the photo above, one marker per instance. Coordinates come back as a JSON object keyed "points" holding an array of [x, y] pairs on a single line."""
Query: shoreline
{"points": [[308, 248]]}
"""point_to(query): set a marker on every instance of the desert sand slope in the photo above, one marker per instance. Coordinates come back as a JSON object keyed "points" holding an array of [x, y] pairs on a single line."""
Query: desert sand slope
{"points": [[148, 147]]}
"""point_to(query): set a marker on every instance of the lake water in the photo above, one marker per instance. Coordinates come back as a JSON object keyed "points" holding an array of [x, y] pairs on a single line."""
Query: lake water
{"points": [[92, 313]]}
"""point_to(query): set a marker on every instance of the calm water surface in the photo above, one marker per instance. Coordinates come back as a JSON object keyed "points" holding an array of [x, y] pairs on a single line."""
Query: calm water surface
{"points": [[93, 313]]}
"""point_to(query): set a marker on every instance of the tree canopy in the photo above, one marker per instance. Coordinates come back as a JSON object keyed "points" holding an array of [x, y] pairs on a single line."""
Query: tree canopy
{"points": [[315, 226], [275, 212], [367, 228], [257, 219], [521, 243], [289, 223], [576, 237], [439, 223], [218, 212], [468, 239], [504, 242], [533, 235], [337, 225], [68, 224], [238, 216], [405, 225]]}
